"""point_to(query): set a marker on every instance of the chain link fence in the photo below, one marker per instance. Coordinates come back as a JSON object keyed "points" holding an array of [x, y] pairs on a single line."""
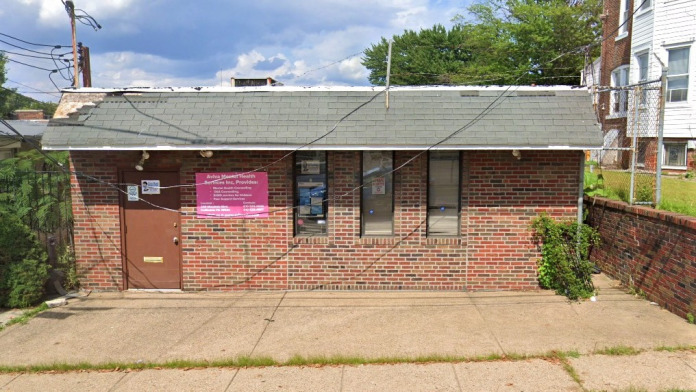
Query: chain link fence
{"points": [[626, 167]]}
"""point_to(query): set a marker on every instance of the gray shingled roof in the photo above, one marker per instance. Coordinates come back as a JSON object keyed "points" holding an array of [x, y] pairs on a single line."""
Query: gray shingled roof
{"points": [[282, 118], [34, 128]]}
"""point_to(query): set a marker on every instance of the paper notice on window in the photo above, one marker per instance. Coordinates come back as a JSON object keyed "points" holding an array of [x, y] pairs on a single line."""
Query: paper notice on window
{"points": [[378, 186]]}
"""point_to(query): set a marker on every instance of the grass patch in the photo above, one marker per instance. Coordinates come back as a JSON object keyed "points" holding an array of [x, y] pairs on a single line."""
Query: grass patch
{"points": [[677, 194], [558, 357], [26, 316], [673, 349], [297, 360], [618, 351]]}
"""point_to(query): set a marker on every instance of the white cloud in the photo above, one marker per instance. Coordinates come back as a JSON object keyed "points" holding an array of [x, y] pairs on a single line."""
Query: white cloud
{"points": [[52, 12], [125, 69]]}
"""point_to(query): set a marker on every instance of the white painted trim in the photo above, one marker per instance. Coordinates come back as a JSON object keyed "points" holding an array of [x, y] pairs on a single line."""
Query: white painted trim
{"points": [[318, 148], [225, 89]]}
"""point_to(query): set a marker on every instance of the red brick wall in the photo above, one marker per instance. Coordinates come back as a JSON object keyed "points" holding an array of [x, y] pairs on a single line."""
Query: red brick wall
{"points": [[499, 198], [29, 115], [614, 54], [653, 250]]}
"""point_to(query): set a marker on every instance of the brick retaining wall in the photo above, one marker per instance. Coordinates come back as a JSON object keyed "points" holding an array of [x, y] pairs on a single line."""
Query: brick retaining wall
{"points": [[655, 251]]}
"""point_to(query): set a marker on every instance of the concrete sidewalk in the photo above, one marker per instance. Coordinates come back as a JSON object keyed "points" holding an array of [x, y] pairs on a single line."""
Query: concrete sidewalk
{"points": [[157, 327]]}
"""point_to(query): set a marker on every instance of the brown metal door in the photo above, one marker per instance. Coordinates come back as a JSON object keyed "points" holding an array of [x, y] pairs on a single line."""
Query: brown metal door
{"points": [[151, 226]]}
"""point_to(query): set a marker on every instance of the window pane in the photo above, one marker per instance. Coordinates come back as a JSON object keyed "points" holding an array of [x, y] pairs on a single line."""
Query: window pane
{"points": [[678, 61], [677, 88], [643, 67], [443, 193], [377, 200], [675, 154], [311, 197]]}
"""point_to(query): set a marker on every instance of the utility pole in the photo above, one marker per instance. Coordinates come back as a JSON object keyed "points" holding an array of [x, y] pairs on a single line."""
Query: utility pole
{"points": [[71, 11], [389, 60]]}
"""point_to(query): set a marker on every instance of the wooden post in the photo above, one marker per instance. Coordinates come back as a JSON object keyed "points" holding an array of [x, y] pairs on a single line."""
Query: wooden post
{"points": [[86, 68], [71, 8]]}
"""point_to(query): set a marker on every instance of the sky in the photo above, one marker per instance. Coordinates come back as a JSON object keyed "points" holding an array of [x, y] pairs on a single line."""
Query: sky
{"points": [[189, 43]]}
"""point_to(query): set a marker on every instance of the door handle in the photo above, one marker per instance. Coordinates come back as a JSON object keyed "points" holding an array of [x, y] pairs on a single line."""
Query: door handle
{"points": [[176, 240]]}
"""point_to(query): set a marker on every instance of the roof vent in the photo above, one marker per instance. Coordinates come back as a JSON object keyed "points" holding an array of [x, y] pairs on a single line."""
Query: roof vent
{"points": [[468, 93], [536, 93]]}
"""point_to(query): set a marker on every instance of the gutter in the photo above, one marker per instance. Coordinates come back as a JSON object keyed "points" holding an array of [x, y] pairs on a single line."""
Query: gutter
{"points": [[315, 147]]}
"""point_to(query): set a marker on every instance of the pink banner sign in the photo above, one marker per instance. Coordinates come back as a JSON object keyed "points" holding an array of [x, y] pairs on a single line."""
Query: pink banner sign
{"points": [[232, 195]]}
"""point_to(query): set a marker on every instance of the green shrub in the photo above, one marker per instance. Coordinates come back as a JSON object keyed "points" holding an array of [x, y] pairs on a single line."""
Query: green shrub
{"points": [[23, 267], [68, 267], [564, 265], [24, 282]]}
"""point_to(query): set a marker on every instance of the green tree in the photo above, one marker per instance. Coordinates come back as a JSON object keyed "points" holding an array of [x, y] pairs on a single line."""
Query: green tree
{"points": [[429, 56], [506, 42], [11, 100]]}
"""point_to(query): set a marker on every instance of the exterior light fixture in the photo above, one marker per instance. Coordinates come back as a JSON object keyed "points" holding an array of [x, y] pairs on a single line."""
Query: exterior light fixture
{"points": [[517, 154], [206, 153], [141, 163]]}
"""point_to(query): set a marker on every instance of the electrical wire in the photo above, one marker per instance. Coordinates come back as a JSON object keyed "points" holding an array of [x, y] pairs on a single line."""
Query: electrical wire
{"points": [[495, 103], [32, 66], [31, 43], [30, 87], [27, 55], [25, 49]]}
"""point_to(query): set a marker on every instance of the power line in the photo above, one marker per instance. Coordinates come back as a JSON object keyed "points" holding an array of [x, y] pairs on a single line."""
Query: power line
{"points": [[37, 67], [33, 88], [31, 43], [28, 50], [28, 55]]}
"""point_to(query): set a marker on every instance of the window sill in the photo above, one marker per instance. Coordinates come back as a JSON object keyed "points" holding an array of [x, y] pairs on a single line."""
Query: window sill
{"points": [[644, 12], [377, 240], [310, 240], [621, 36], [443, 241], [674, 167], [615, 116], [678, 104]]}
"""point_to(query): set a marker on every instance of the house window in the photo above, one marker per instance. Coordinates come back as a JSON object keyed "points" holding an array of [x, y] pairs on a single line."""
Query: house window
{"points": [[623, 17], [619, 98], [443, 193], [675, 155], [377, 209], [311, 197], [646, 4], [642, 150], [643, 63], [678, 75]]}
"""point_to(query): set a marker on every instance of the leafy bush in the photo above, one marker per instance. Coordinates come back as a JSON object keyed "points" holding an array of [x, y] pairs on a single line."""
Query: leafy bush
{"points": [[564, 265], [68, 268], [23, 267], [24, 282]]}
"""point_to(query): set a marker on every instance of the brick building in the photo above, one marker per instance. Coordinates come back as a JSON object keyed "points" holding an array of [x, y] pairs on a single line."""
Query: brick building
{"points": [[320, 188], [617, 26]]}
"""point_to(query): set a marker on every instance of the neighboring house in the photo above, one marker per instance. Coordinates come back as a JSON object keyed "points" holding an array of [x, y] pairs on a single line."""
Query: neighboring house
{"points": [[30, 124], [320, 188], [666, 29], [615, 61]]}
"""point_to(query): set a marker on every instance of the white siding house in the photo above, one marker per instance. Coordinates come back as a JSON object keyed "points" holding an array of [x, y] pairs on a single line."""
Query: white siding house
{"points": [[666, 30]]}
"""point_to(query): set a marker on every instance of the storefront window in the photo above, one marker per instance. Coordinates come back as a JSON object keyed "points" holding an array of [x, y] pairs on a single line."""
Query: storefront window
{"points": [[311, 196], [377, 212], [443, 193]]}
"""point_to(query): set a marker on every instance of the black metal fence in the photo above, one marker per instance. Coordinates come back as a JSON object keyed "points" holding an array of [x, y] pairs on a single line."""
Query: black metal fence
{"points": [[42, 201]]}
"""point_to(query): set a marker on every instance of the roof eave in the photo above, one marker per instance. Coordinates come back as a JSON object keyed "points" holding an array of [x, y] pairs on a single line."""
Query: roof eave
{"points": [[288, 147]]}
